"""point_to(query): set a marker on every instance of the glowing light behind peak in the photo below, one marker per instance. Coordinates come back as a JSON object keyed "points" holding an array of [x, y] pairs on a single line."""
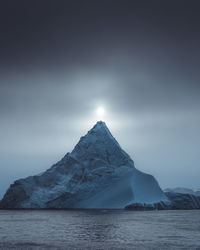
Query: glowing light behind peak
{"points": [[100, 112]]}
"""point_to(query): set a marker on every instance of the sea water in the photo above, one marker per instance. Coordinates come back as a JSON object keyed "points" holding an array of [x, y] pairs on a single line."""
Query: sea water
{"points": [[99, 229]]}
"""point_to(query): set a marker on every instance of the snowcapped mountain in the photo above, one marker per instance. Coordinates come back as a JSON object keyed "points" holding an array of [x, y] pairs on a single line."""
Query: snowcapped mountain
{"points": [[96, 174], [182, 190]]}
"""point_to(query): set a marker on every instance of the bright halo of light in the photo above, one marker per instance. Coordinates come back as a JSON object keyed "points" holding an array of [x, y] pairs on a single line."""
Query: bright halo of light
{"points": [[100, 112]]}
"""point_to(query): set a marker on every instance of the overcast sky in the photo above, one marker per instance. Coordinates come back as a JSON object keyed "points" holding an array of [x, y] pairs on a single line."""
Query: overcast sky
{"points": [[61, 60]]}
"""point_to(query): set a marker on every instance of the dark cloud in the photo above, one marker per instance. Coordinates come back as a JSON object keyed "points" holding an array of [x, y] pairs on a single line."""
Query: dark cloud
{"points": [[59, 60]]}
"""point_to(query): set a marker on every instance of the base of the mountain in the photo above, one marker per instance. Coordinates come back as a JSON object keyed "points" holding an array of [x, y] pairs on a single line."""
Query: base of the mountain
{"points": [[177, 201]]}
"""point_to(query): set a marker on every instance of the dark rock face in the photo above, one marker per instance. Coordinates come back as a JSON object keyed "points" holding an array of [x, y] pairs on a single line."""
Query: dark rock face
{"points": [[176, 201], [146, 207], [14, 195], [18, 192], [184, 201]]}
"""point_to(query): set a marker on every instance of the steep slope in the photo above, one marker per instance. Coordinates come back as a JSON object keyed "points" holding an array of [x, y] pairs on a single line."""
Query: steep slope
{"points": [[96, 174]]}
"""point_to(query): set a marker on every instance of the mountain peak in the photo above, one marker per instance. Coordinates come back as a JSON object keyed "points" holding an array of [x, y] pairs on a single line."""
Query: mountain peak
{"points": [[100, 123], [99, 143], [101, 127], [102, 133]]}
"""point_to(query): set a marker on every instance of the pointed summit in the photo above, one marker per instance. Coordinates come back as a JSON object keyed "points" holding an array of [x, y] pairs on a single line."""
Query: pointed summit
{"points": [[100, 125], [99, 143], [101, 128]]}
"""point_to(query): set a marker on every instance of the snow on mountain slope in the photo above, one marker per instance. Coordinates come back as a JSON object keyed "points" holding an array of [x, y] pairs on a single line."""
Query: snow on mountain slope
{"points": [[182, 190], [96, 174]]}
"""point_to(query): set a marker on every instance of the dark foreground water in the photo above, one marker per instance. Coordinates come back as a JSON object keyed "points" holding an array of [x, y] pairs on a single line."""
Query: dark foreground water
{"points": [[99, 229]]}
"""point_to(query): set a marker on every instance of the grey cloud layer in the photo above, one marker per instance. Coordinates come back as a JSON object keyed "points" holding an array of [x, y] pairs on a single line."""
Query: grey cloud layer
{"points": [[59, 61]]}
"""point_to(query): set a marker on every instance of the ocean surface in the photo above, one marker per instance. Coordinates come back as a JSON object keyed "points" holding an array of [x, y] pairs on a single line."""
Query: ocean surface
{"points": [[99, 229]]}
